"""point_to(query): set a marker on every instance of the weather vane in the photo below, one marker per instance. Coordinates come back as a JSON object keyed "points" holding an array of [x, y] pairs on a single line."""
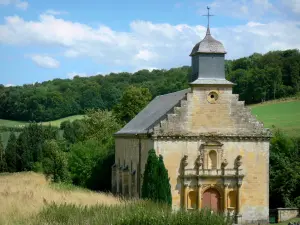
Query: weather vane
{"points": [[208, 15]]}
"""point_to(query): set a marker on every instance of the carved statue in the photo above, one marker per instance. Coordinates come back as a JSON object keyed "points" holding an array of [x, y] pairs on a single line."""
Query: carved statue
{"points": [[198, 161], [184, 162], [238, 162], [224, 164]]}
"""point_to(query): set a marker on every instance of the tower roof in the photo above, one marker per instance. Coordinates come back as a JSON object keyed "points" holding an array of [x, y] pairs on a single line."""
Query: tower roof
{"points": [[208, 45]]}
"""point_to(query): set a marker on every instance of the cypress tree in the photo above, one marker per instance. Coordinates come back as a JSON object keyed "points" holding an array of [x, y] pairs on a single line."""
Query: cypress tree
{"points": [[2, 157], [149, 187], [11, 154], [156, 185], [164, 187]]}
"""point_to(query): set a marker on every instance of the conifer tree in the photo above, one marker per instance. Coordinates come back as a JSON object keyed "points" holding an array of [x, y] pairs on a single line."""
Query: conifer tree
{"points": [[149, 187], [2, 157], [164, 187], [11, 154], [20, 149], [156, 185]]}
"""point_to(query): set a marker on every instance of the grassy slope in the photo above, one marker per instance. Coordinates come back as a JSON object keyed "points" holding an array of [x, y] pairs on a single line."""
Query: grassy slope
{"points": [[25, 194], [12, 123], [283, 115]]}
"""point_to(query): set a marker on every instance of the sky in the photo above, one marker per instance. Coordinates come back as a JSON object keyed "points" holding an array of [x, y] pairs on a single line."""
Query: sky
{"points": [[44, 40]]}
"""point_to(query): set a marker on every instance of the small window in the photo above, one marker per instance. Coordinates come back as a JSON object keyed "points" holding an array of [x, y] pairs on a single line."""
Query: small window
{"points": [[212, 97]]}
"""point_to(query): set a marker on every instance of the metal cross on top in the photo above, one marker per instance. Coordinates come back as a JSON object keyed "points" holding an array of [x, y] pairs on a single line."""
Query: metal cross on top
{"points": [[208, 15]]}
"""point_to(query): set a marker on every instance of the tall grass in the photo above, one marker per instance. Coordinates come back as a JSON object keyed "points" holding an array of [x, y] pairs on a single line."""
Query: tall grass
{"points": [[133, 213], [28, 198], [24, 195]]}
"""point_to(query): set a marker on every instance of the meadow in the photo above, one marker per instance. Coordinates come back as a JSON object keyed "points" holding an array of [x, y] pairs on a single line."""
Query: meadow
{"points": [[24, 195], [283, 115], [55, 123], [28, 198]]}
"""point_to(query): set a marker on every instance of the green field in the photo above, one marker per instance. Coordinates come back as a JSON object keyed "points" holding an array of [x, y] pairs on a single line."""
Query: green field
{"points": [[283, 115], [56, 123], [4, 135]]}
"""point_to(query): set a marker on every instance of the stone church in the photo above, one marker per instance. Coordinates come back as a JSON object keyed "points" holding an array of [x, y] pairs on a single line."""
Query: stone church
{"points": [[215, 150]]}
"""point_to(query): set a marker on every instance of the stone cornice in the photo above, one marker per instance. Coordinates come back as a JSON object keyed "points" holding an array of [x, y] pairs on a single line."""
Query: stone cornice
{"points": [[212, 137], [204, 137], [128, 135]]}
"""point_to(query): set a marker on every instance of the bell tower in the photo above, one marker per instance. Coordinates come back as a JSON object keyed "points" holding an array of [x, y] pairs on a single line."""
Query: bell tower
{"points": [[208, 65]]}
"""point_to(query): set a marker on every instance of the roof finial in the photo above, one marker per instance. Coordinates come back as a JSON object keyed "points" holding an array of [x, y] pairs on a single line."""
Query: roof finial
{"points": [[208, 15]]}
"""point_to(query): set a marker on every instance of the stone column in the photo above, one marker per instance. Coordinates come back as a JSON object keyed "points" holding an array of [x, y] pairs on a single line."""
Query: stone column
{"points": [[183, 164], [120, 183], [126, 182], [225, 199], [199, 196], [238, 204], [184, 197], [114, 179]]}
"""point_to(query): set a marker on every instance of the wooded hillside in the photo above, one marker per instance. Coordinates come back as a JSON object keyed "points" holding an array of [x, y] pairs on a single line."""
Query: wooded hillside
{"points": [[258, 78]]}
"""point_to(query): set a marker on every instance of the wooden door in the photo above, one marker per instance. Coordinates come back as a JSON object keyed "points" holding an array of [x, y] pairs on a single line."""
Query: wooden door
{"points": [[211, 200]]}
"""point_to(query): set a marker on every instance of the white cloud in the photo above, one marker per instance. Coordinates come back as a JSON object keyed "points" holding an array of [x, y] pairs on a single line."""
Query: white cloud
{"points": [[45, 61], [146, 44], [71, 75], [17, 3], [145, 55], [294, 5], [9, 85]]}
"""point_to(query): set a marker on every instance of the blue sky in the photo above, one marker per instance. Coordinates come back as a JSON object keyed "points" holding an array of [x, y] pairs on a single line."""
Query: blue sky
{"points": [[43, 40]]}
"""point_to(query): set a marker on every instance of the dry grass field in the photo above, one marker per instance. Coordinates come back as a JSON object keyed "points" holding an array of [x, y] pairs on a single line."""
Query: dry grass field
{"points": [[28, 199], [23, 195]]}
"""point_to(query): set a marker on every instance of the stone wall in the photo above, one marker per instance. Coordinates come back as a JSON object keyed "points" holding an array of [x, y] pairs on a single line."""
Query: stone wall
{"points": [[127, 157], [287, 213], [211, 109]]}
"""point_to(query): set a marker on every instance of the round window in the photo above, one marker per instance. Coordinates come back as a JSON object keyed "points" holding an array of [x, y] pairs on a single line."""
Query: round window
{"points": [[212, 97]]}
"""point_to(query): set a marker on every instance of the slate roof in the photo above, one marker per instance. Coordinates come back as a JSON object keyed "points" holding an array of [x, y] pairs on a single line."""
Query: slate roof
{"points": [[155, 111], [208, 45]]}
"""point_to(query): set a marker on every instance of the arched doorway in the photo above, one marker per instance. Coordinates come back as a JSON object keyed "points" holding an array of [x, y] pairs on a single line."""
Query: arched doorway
{"points": [[211, 200]]}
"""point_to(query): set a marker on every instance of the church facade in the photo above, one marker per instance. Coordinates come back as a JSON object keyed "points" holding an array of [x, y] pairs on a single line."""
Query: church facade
{"points": [[215, 150]]}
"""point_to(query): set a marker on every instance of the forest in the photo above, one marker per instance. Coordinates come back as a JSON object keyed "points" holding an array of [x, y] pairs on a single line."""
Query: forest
{"points": [[258, 78]]}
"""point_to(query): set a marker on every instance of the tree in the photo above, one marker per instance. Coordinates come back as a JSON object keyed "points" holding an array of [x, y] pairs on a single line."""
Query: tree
{"points": [[284, 160], [11, 153], [55, 162], [92, 155], [20, 150], [134, 99], [2, 157], [156, 185], [164, 187], [149, 187], [100, 125]]}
